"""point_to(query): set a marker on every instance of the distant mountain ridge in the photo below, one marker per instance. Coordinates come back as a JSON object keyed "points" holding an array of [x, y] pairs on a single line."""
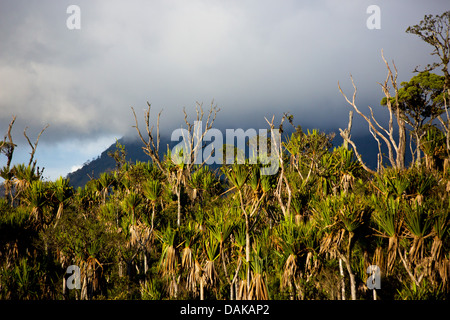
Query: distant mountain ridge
{"points": [[104, 163]]}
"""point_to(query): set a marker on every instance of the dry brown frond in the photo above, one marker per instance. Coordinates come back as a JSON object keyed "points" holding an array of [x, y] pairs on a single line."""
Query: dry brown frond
{"points": [[140, 235], [187, 260], [242, 293], [258, 289], [444, 269], [210, 273], [436, 249], [170, 261], [290, 269], [392, 253]]}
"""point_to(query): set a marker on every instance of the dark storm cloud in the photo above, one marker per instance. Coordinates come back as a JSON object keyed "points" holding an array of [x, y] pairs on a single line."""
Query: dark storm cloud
{"points": [[255, 58]]}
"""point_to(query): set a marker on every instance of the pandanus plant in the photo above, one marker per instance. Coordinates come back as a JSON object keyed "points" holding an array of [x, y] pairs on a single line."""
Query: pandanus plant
{"points": [[212, 252], [388, 219], [130, 203], [418, 222], [189, 257], [433, 145], [177, 166], [169, 261], [23, 176], [296, 245], [7, 175], [36, 197], [288, 251], [391, 183], [104, 182], [240, 175], [346, 167], [62, 193], [221, 224], [306, 151], [440, 229], [340, 217], [152, 191], [201, 182], [421, 184], [258, 288]]}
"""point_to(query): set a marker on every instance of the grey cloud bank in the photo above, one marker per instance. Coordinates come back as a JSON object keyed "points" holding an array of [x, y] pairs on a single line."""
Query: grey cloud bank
{"points": [[255, 58]]}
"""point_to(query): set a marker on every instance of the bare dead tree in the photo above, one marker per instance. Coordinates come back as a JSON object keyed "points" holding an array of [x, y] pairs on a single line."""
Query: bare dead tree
{"points": [[150, 148], [282, 179], [7, 147], [196, 143], [400, 146], [33, 148], [372, 129], [396, 149], [346, 134]]}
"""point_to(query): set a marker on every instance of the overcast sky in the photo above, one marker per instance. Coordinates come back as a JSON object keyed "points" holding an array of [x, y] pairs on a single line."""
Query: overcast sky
{"points": [[254, 58]]}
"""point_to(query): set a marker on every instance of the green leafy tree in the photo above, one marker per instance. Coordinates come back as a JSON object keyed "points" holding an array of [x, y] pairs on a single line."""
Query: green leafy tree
{"points": [[421, 101], [435, 30]]}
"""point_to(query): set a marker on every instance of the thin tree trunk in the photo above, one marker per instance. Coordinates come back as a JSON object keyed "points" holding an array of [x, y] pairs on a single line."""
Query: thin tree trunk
{"points": [[179, 204], [341, 271], [120, 269], [247, 250], [401, 141], [153, 216], [352, 282], [233, 288], [64, 288], [247, 240], [419, 157], [176, 286], [231, 292], [145, 267], [351, 276], [225, 270], [84, 295], [202, 297]]}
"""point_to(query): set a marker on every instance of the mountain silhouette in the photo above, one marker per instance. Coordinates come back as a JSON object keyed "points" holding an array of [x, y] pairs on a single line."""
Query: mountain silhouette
{"points": [[134, 152], [104, 163]]}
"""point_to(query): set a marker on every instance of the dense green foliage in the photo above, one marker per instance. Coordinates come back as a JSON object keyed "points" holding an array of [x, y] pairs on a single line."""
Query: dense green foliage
{"points": [[121, 230]]}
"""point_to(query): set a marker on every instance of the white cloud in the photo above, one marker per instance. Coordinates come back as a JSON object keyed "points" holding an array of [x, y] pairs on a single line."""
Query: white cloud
{"points": [[75, 168]]}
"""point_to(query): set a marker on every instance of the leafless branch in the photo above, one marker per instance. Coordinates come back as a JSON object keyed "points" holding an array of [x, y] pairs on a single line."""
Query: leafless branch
{"points": [[33, 146], [355, 149], [282, 178], [150, 148], [196, 141], [372, 128], [387, 135], [8, 146]]}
